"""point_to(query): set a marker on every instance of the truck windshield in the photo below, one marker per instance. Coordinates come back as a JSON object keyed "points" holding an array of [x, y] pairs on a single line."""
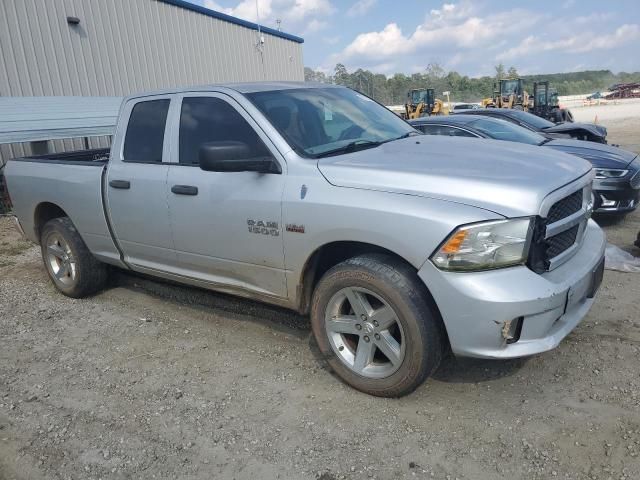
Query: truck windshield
{"points": [[321, 121], [503, 130]]}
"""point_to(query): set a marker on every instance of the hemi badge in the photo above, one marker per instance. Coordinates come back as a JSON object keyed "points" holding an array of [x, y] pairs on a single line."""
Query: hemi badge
{"points": [[295, 228]]}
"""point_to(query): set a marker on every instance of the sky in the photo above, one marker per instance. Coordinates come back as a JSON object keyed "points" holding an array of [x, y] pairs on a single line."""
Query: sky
{"points": [[470, 37]]}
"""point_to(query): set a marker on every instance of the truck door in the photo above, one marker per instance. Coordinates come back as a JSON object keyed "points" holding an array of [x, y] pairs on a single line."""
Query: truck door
{"points": [[136, 184], [227, 226]]}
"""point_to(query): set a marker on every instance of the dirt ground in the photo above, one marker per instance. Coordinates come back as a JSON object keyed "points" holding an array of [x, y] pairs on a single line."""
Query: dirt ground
{"points": [[148, 380]]}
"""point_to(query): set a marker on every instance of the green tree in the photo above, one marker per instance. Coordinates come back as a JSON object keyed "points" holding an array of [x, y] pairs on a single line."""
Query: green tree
{"points": [[512, 73], [341, 75], [500, 72], [393, 90]]}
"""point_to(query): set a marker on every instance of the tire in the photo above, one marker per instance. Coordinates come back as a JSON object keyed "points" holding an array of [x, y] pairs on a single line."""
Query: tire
{"points": [[385, 283], [558, 116], [72, 268], [518, 107]]}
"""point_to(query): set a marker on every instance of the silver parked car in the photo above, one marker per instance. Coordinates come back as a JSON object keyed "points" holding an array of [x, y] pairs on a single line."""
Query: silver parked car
{"points": [[318, 199]]}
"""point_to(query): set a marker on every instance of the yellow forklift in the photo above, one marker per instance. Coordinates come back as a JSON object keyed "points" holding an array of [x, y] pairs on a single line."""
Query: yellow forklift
{"points": [[422, 103], [511, 94]]}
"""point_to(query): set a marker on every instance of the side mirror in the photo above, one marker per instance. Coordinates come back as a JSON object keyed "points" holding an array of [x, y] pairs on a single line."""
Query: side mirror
{"points": [[234, 157]]}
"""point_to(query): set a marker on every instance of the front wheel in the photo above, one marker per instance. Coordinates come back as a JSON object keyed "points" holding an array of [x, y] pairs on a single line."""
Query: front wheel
{"points": [[72, 268], [372, 321]]}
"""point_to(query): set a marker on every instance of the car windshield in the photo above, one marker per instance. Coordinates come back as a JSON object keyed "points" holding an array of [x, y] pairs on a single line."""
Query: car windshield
{"points": [[509, 87], [531, 119], [503, 130], [317, 121]]}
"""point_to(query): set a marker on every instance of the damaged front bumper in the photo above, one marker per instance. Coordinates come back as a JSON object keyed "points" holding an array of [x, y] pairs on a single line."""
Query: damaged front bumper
{"points": [[514, 312]]}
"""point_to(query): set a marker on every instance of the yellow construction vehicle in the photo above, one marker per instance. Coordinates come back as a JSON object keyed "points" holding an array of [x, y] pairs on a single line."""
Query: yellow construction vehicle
{"points": [[511, 94], [422, 103]]}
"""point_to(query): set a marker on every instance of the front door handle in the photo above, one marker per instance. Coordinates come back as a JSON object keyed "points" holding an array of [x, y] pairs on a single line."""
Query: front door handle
{"points": [[121, 184], [184, 190]]}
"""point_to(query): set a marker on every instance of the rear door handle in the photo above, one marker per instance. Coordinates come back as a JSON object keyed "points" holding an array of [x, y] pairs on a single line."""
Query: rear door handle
{"points": [[184, 190], [121, 184]]}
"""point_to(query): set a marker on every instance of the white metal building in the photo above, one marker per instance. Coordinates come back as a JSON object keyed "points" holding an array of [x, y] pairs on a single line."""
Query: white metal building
{"points": [[117, 47]]}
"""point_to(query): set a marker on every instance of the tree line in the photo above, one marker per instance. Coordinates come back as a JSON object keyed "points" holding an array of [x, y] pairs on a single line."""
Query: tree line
{"points": [[393, 90]]}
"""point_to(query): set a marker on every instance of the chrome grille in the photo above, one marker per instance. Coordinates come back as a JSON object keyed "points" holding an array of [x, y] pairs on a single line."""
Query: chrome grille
{"points": [[560, 233]]}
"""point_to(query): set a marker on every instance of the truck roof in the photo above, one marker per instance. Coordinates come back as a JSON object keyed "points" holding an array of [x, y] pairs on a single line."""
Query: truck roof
{"points": [[241, 87]]}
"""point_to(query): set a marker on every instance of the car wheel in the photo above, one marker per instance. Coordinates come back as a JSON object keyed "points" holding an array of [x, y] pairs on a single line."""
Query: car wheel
{"points": [[375, 325], [71, 266], [568, 116]]}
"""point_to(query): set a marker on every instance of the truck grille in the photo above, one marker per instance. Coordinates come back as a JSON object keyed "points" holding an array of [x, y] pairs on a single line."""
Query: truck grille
{"points": [[561, 242], [565, 207], [561, 230]]}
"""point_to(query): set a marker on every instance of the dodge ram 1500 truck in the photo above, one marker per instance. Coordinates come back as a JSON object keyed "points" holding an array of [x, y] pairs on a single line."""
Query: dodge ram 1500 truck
{"points": [[319, 199]]}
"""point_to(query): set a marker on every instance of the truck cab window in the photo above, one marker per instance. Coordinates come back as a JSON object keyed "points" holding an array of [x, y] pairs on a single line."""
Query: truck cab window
{"points": [[145, 132], [209, 120]]}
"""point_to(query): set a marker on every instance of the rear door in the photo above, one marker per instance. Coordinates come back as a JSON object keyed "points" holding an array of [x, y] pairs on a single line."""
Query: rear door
{"points": [[227, 226], [137, 184]]}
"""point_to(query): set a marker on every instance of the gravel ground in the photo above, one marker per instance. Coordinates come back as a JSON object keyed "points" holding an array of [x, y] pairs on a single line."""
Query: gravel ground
{"points": [[148, 380]]}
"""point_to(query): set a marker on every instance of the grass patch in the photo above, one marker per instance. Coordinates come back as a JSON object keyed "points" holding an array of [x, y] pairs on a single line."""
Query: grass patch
{"points": [[12, 249]]}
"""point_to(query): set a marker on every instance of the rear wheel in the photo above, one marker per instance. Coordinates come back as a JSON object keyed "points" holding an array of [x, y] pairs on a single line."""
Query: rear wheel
{"points": [[70, 265], [373, 323]]}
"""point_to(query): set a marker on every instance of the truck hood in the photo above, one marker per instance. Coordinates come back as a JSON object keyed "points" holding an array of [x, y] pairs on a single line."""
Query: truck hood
{"points": [[574, 127], [599, 154], [507, 178]]}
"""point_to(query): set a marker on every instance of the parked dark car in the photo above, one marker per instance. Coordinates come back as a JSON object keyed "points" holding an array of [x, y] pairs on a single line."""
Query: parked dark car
{"points": [[466, 106], [617, 183], [580, 131]]}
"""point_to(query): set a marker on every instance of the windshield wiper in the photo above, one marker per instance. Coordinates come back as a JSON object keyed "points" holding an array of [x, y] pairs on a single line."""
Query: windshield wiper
{"points": [[406, 135], [350, 147]]}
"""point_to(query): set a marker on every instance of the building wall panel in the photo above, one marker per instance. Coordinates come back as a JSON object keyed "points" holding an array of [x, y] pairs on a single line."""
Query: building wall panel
{"points": [[126, 46]]}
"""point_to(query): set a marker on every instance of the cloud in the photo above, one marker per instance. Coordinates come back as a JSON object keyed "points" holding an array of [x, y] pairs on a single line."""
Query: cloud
{"points": [[246, 9], [303, 15], [580, 43], [447, 8], [448, 28], [361, 7], [332, 40], [314, 26], [302, 9]]}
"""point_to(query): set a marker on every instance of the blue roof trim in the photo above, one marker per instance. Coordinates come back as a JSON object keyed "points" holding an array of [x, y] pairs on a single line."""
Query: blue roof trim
{"points": [[228, 18]]}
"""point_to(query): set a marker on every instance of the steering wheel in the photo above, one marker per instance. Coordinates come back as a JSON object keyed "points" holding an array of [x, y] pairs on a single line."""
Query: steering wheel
{"points": [[353, 131]]}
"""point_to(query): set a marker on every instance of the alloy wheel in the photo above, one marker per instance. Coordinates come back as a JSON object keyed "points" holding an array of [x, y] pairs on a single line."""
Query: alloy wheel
{"points": [[364, 332]]}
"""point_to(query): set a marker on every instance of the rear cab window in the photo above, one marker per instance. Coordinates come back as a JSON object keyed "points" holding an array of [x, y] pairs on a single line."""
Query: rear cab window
{"points": [[144, 138]]}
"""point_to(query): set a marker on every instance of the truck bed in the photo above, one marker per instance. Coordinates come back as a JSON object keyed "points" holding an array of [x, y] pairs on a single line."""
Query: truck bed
{"points": [[93, 157], [70, 181]]}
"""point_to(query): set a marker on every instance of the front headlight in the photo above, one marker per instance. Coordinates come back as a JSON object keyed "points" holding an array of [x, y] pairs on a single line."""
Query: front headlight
{"points": [[486, 245], [610, 172]]}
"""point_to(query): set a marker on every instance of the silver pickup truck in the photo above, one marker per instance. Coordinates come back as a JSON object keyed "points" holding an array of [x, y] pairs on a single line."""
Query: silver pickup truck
{"points": [[314, 197]]}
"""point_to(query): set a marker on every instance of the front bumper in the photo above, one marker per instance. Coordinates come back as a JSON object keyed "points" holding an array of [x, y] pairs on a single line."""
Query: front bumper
{"points": [[476, 305], [615, 195]]}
